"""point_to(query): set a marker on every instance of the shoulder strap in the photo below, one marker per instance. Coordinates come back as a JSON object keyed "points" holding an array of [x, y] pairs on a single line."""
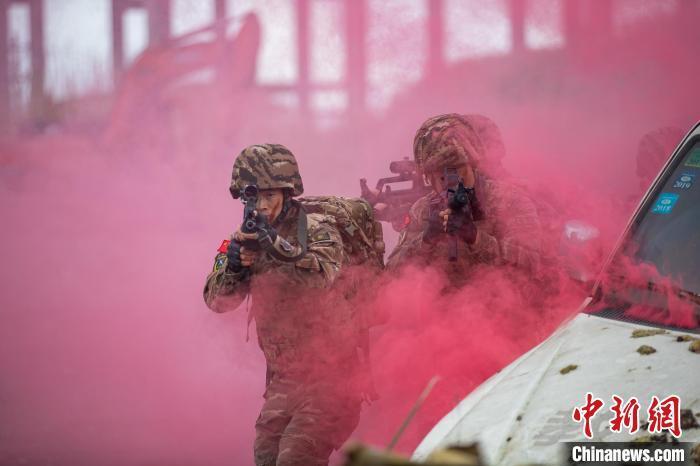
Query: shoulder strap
{"points": [[285, 252]]}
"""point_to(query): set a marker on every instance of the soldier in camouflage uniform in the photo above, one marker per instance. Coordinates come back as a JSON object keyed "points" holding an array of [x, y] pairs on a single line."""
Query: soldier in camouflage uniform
{"points": [[503, 226], [312, 399]]}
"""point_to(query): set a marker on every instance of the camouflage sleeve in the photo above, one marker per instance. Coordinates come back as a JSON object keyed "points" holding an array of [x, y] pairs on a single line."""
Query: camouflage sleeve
{"points": [[224, 290], [410, 243], [519, 240], [324, 256]]}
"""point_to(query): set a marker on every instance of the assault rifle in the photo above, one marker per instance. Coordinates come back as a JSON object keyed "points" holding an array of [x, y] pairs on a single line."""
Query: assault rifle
{"points": [[392, 205], [458, 201], [249, 197], [462, 201]]}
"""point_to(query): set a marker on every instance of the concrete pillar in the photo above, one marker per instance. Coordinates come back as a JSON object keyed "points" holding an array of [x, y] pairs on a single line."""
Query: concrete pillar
{"points": [[220, 9], [303, 43], [36, 47], [356, 20], [572, 23], [587, 25], [158, 21], [118, 9], [436, 37], [517, 24], [4, 69], [220, 15]]}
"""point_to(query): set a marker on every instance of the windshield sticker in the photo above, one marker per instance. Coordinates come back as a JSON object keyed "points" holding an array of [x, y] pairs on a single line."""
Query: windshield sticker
{"points": [[693, 158], [665, 203], [685, 181]]}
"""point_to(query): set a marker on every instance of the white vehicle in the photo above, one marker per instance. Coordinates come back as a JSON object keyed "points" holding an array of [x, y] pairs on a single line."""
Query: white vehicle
{"points": [[522, 414]]}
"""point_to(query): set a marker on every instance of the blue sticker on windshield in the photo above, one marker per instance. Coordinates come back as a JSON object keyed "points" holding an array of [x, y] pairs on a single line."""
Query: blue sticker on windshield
{"points": [[685, 181], [665, 203]]}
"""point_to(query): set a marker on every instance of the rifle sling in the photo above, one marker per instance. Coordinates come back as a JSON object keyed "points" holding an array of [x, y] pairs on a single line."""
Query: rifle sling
{"points": [[282, 250]]}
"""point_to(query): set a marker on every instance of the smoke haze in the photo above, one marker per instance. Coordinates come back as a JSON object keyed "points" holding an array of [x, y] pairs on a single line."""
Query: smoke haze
{"points": [[110, 226]]}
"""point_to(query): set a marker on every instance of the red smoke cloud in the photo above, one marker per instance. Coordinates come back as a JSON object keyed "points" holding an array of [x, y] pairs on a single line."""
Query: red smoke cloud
{"points": [[462, 337], [107, 351], [644, 293]]}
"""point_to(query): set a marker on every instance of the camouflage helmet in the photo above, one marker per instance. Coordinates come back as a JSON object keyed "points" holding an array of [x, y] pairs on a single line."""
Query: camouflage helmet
{"points": [[449, 140], [490, 136], [268, 166]]}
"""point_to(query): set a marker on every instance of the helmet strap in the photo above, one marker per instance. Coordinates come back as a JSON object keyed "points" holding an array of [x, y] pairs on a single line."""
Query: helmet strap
{"points": [[286, 205]]}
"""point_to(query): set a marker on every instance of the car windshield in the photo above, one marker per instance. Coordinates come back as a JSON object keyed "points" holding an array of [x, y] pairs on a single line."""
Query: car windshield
{"points": [[659, 265], [668, 235]]}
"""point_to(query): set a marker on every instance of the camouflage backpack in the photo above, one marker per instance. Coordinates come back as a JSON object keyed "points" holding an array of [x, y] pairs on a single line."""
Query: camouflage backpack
{"points": [[363, 242], [362, 234]]}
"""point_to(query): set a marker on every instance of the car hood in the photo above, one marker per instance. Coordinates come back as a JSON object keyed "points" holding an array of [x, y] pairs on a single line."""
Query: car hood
{"points": [[522, 413]]}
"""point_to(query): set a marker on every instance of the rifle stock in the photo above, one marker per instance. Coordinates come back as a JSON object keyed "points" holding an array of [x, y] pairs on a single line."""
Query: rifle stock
{"points": [[390, 204]]}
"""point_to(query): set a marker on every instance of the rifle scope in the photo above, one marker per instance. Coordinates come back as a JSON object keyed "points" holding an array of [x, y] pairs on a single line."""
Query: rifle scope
{"points": [[250, 197], [250, 192], [402, 166]]}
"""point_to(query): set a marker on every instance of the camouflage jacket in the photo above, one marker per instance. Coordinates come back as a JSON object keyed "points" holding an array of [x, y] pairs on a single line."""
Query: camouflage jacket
{"points": [[304, 325], [510, 233]]}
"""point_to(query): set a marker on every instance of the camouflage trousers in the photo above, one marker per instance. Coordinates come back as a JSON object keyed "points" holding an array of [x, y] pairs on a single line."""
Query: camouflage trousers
{"points": [[301, 425]]}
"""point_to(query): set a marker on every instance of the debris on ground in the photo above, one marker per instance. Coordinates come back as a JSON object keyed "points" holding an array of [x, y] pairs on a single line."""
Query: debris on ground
{"points": [[695, 346], [695, 454], [639, 333], [567, 369], [360, 455], [646, 349], [683, 338], [663, 437], [688, 420]]}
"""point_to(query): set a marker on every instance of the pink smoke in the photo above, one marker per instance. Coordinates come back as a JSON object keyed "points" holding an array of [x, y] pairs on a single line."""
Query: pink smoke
{"points": [[462, 337], [107, 351]]}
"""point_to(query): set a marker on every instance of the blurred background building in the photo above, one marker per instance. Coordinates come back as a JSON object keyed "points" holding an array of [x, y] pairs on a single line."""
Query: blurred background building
{"points": [[332, 60], [119, 121]]}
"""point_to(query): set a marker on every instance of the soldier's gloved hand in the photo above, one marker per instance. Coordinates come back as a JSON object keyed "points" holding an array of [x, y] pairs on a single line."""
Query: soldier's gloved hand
{"points": [[233, 254], [460, 224], [434, 228], [248, 257]]}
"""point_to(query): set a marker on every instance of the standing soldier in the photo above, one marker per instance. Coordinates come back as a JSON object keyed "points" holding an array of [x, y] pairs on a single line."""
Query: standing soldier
{"points": [[288, 261], [468, 218]]}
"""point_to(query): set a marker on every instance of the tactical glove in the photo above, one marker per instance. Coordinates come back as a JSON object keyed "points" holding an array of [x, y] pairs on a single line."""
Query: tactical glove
{"points": [[233, 254], [433, 229]]}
